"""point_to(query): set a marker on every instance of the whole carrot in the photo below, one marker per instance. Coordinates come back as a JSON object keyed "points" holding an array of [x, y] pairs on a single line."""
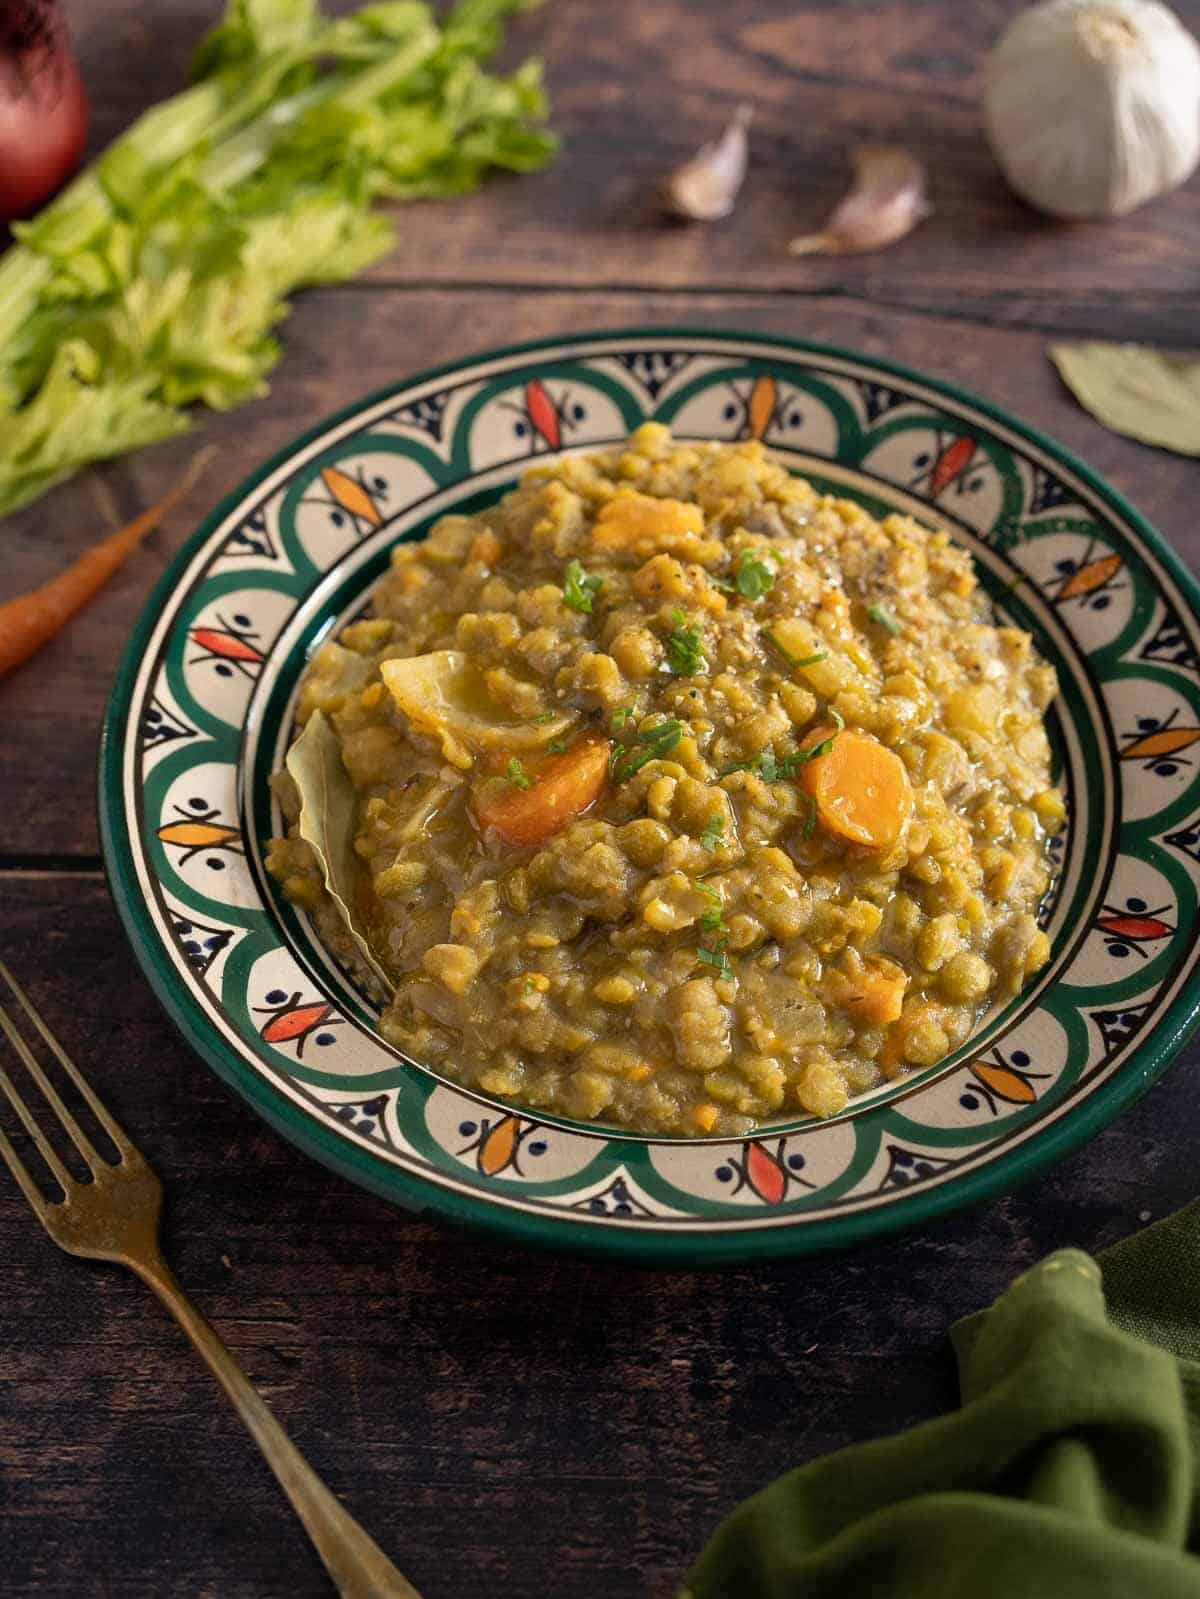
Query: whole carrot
{"points": [[30, 620]]}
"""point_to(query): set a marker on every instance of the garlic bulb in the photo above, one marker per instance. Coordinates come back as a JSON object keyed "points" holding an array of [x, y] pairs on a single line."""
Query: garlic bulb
{"points": [[1093, 106]]}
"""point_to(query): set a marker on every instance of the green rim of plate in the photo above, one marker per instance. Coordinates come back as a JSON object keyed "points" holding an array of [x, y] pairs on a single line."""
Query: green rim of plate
{"points": [[788, 1238]]}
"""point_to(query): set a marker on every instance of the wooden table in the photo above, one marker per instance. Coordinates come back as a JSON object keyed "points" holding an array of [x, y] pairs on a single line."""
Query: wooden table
{"points": [[401, 1355]]}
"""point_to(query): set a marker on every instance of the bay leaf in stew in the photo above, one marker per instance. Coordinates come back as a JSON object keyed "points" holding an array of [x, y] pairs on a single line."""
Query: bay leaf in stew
{"points": [[327, 824]]}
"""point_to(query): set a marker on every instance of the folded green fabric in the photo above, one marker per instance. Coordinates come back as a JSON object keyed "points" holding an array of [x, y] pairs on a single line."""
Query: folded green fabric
{"points": [[1072, 1470]]}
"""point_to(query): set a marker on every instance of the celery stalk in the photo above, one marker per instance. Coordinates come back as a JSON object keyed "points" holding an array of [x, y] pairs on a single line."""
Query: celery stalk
{"points": [[153, 281]]}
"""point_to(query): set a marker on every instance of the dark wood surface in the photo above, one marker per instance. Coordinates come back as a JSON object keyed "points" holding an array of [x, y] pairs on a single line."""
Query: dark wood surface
{"points": [[505, 1422]]}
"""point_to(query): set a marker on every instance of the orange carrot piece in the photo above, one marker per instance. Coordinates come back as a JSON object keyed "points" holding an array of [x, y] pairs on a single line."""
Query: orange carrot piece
{"points": [[876, 997], [860, 788], [30, 620], [562, 790], [641, 523]]}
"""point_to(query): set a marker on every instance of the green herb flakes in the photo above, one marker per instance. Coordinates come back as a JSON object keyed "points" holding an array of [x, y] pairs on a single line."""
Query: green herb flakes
{"points": [[580, 588], [516, 774], [824, 747], [881, 615], [773, 643], [713, 836], [557, 747], [620, 716], [659, 740], [685, 649], [785, 655], [715, 958], [546, 716], [774, 768], [810, 821], [754, 578], [713, 919]]}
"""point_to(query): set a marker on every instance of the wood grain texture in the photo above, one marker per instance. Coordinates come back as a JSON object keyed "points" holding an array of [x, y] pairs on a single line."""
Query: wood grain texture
{"points": [[505, 1422], [636, 88], [501, 1421]]}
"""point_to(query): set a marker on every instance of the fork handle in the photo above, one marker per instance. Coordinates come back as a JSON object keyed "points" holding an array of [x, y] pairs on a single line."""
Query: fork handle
{"points": [[356, 1563]]}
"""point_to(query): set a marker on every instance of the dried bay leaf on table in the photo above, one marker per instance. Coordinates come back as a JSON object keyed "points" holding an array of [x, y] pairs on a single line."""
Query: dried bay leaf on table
{"points": [[328, 814], [1151, 395]]}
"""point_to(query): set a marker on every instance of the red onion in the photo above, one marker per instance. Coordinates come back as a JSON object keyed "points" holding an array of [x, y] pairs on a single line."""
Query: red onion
{"points": [[43, 108]]}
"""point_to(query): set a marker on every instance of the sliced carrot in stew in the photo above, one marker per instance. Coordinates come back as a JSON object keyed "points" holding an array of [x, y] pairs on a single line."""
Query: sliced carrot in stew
{"points": [[559, 791], [642, 522], [860, 788], [876, 996]]}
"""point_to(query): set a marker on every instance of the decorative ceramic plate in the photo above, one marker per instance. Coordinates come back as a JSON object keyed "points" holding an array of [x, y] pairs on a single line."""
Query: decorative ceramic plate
{"points": [[202, 712]]}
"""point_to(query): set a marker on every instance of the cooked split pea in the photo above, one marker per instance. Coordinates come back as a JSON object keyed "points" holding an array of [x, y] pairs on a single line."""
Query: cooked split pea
{"points": [[642, 843]]}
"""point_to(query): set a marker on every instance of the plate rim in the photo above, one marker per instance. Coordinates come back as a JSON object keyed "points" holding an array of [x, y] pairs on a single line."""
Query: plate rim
{"points": [[555, 1233]]}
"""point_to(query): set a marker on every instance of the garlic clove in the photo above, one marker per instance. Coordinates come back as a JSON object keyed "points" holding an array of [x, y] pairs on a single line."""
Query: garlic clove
{"points": [[705, 188], [886, 201], [1092, 107]]}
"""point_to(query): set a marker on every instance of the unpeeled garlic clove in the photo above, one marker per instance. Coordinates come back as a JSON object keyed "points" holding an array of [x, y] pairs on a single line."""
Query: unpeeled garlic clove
{"points": [[886, 201], [704, 189]]}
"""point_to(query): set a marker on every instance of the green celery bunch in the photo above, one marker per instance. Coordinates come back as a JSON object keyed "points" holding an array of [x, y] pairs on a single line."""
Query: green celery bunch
{"points": [[153, 282]]}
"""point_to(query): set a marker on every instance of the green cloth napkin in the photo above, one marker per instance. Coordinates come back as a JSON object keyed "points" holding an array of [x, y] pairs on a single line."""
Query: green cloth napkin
{"points": [[1072, 1470]]}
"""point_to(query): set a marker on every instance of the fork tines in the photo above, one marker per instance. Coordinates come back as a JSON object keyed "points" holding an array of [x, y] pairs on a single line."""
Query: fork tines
{"points": [[95, 1161]]}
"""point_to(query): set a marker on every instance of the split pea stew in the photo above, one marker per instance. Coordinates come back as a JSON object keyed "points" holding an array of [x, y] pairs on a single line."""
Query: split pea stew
{"points": [[671, 793]]}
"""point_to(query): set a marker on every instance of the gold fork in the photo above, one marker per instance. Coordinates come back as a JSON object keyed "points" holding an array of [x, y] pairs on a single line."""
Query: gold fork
{"points": [[115, 1217]]}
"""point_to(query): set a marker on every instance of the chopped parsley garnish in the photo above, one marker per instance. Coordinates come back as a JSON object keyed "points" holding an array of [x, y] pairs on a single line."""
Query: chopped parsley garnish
{"points": [[530, 986], [881, 615], [773, 768], [659, 740], [773, 643], [754, 577], [826, 744], [516, 774], [580, 588], [621, 715], [713, 836], [685, 649], [713, 957], [713, 921], [810, 821], [786, 655], [557, 746], [546, 716]]}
